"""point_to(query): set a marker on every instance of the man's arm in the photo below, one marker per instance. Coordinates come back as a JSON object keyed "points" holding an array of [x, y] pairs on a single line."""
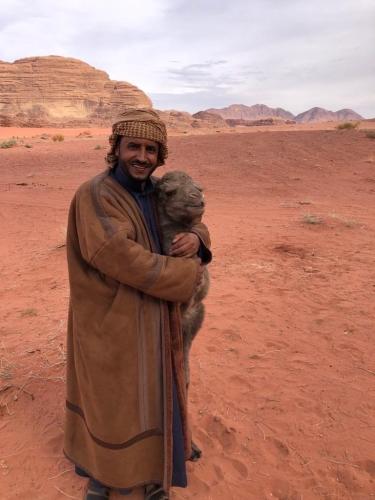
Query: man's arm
{"points": [[105, 238], [196, 242]]}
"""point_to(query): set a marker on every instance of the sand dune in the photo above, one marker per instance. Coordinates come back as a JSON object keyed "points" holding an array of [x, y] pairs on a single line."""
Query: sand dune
{"points": [[282, 393]]}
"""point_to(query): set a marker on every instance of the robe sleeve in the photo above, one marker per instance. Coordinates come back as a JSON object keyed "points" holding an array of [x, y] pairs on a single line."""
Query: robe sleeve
{"points": [[105, 237], [204, 252]]}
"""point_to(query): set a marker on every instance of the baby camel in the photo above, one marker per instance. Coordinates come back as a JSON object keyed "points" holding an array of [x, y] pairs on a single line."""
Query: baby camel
{"points": [[181, 204]]}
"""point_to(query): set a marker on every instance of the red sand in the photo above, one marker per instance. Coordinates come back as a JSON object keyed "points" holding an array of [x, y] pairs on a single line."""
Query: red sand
{"points": [[283, 371]]}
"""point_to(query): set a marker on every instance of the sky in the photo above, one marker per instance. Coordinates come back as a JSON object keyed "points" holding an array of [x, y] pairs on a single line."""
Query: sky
{"points": [[197, 54]]}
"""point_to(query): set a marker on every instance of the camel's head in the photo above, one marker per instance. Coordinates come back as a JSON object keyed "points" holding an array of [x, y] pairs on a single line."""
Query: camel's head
{"points": [[179, 197]]}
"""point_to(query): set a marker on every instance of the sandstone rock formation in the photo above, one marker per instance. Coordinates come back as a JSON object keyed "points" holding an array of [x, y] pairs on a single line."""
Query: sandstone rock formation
{"points": [[177, 121], [207, 119], [61, 91], [181, 121]]}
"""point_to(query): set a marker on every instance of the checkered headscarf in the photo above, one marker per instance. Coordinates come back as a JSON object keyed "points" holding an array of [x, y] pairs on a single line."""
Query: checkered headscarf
{"points": [[141, 124]]}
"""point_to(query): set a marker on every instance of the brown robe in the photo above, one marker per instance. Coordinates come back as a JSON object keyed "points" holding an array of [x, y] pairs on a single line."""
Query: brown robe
{"points": [[124, 340]]}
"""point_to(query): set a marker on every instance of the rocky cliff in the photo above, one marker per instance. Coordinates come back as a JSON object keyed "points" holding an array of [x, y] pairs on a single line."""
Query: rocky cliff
{"points": [[324, 115], [240, 112], [211, 120], [181, 121], [61, 91], [255, 112]]}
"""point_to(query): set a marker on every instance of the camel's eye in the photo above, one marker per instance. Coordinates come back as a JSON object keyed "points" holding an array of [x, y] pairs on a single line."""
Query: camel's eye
{"points": [[171, 192]]}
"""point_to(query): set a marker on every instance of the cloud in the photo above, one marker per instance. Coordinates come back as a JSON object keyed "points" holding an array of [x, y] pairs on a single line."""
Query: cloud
{"points": [[202, 76], [289, 53]]}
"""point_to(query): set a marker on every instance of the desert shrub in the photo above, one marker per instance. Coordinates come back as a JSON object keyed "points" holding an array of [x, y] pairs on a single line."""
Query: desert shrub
{"points": [[10, 143], [29, 312], [98, 146], [28, 146], [6, 371], [312, 219], [347, 126], [370, 134], [58, 138], [344, 220], [85, 133]]}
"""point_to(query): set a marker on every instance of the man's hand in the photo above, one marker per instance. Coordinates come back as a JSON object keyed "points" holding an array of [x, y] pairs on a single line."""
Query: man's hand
{"points": [[185, 245]]}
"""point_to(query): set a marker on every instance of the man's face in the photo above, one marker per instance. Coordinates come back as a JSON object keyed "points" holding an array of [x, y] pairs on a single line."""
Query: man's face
{"points": [[138, 157]]}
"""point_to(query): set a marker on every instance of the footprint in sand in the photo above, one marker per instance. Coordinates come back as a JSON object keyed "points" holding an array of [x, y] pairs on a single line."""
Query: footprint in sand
{"points": [[277, 345], [348, 478], [356, 353], [239, 468], [218, 472], [53, 436], [203, 440], [281, 447], [282, 490], [232, 335], [369, 466], [55, 442], [217, 430], [227, 296], [240, 383]]}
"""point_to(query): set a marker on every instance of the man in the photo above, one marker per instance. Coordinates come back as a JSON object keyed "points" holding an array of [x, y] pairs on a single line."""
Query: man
{"points": [[126, 418]]}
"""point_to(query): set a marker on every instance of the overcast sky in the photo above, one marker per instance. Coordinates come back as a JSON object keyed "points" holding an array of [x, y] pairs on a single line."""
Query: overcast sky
{"points": [[196, 54]]}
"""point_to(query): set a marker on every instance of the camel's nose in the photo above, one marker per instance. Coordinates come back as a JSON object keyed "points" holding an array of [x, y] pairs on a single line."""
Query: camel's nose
{"points": [[195, 196]]}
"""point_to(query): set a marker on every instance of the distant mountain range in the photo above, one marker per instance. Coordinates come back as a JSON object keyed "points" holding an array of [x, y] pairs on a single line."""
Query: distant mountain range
{"points": [[61, 91], [261, 111], [323, 115]]}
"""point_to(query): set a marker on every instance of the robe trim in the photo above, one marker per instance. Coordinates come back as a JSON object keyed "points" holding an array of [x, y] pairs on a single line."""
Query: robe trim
{"points": [[99, 209], [131, 486], [142, 372], [113, 446]]}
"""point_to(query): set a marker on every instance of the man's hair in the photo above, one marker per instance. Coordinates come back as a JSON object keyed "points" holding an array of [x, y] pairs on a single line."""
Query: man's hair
{"points": [[140, 124]]}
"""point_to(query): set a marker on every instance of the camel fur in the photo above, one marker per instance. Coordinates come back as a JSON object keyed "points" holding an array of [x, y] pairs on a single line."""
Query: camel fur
{"points": [[181, 204]]}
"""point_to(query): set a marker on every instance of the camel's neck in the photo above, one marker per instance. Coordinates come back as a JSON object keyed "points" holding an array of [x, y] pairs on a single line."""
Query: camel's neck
{"points": [[169, 229]]}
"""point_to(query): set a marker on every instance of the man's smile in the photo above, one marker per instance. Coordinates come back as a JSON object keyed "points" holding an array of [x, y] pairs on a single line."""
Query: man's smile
{"points": [[141, 166]]}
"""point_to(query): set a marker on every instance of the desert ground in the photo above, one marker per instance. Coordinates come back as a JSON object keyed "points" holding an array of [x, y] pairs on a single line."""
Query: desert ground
{"points": [[283, 371]]}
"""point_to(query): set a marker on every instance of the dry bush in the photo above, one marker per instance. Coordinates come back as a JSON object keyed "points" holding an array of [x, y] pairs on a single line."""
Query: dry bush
{"points": [[10, 143], [312, 219], [6, 370], [347, 126], [351, 223], [370, 134], [58, 138], [98, 146], [28, 312]]}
